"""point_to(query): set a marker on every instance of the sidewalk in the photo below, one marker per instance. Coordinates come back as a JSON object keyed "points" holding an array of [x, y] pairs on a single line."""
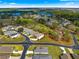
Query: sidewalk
{"points": [[71, 51], [20, 52], [64, 51]]}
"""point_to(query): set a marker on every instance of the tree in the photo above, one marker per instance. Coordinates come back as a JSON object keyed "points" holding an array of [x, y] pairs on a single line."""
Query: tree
{"points": [[54, 35], [67, 36], [77, 30], [1, 24], [1, 32], [24, 21], [54, 25], [71, 27], [20, 29], [18, 21], [76, 22]]}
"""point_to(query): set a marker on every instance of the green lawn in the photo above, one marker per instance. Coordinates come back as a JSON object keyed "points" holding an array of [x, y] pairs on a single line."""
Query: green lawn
{"points": [[15, 55], [31, 48], [4, 38], [77, 36], [67, 50], [54, 51], [76, 51], [18, 47], [1, 32]]}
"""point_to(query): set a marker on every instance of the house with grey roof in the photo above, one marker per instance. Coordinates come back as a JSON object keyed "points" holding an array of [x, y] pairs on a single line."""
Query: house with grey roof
{"points": [[65, 22], [5, 52], [36, 34], [6, 49], [41, 50], [42, 57], [11, 34], [4, 56], [8, 28], [41, 53]]}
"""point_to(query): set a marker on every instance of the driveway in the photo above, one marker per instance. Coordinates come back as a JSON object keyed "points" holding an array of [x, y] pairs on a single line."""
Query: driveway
{"points": [[63, 49]]}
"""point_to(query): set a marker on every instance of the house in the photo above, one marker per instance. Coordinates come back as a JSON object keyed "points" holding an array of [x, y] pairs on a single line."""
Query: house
{"points": [[8, 28], [5, 52], [4, 56], [41, 57], [10, 31], [12, 34], [41, 50], [41, 53], [5, 49], [65, 22], [36, 34]]}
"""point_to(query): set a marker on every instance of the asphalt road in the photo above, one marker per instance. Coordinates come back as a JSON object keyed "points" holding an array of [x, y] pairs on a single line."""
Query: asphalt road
{"points": [[26, 46], [76, 46]]}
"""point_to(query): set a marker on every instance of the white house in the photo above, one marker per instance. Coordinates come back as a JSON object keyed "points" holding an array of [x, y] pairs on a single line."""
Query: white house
{"points": [[36, 34], [41, 50], [9, 31]]}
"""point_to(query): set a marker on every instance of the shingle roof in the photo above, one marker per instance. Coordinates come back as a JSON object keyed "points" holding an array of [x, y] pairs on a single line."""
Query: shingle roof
{"points": [[5, 49], [42, 57], [4, 56], [41, 49], [10, 32], [36, 34]]}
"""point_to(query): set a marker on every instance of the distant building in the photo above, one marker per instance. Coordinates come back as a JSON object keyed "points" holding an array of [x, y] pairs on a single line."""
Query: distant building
{"points": [[65, 22]]}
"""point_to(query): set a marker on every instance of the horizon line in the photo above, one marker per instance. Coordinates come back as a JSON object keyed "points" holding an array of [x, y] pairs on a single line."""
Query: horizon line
{"points": [[33, 6]]}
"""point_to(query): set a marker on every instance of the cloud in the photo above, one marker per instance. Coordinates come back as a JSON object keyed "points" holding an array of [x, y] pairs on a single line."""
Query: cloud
{"points": [[70, 3], [60, 5], [37, 6], [12, 3]]}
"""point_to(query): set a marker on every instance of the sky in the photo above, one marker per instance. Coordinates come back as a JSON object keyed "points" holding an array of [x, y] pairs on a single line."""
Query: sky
{"points": [[39, 3]]}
